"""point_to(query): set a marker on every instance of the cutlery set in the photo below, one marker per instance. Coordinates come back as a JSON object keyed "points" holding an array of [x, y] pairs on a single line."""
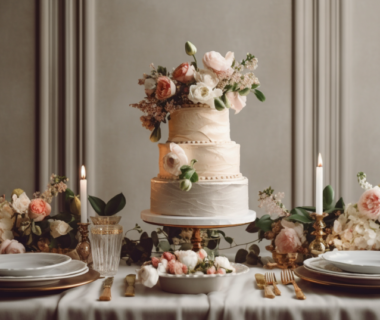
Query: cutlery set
{"points": [[129, 289]]}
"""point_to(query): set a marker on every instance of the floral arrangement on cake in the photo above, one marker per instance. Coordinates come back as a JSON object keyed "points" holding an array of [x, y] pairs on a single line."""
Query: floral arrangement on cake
{"points": [[221, 84], [181, 263], [348, 227], [26, 224]]}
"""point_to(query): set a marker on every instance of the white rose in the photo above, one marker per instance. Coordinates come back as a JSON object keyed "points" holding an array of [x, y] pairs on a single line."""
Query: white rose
{"points": [[148, 276], [208, 77], [189, 258], [201, 93], [21, 203], [59, 228], [162, 266], [175, 159], [222, 262], [150, 86]]}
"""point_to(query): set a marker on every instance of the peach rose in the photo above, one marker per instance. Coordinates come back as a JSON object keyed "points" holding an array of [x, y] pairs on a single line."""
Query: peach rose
{"points": [[202, 254], [369, 203], [287, 241], [216, 62], [11, 247], [211, 270], [165, 88], [184, 73], [176, 267], [39, 209]]}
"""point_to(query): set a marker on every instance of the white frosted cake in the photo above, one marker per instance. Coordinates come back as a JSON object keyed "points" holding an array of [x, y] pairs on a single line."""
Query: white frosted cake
{"points": [[203, 134]]}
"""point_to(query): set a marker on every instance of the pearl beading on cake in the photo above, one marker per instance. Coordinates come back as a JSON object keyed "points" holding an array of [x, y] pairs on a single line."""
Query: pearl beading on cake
{"points": [[204, 178], [200, 142], [194, 106]]}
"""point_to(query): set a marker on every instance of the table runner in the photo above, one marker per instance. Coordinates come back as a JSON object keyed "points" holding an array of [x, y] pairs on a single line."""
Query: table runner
{"points": [[241, 300]]}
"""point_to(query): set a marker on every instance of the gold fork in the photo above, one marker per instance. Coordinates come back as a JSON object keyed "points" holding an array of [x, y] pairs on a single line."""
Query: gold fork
{"points": [[287, 277], [270, 278]]}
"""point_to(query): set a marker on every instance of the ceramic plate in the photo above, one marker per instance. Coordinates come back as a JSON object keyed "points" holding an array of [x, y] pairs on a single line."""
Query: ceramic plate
{"points": [[355, 261], [28, 264], [32, 282], [195, 284], [325, 267], [74, 266]]}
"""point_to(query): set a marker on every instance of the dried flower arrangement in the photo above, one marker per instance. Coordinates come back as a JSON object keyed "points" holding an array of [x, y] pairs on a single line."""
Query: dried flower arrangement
{"points": [[221, 84]]}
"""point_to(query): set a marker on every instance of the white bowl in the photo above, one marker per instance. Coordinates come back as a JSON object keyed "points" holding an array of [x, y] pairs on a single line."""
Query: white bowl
{"points": [[355, 261], [195, 284]]}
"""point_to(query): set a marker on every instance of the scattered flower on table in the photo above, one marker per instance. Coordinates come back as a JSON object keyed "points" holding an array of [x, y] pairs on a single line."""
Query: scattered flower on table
{"points": [[11, 247]]}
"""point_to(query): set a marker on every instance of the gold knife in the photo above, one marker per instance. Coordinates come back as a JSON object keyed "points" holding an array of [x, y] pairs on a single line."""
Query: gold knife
{"points": [[130, 288], [106, 294], [262, 284]]}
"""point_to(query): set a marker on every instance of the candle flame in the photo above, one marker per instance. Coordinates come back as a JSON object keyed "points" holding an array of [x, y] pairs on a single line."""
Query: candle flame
{"points": [[83, 172], [320, 162]]}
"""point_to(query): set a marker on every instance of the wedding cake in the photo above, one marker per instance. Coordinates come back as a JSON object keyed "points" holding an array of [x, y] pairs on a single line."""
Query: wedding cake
{"points": [[199, 166]]}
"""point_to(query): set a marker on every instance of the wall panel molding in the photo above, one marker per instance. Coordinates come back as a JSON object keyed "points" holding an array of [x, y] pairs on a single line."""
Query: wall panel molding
{"points": [[321, 95]]}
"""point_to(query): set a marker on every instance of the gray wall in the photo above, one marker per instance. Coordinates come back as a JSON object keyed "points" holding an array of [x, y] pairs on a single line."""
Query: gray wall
{"points": [[129, 36]]}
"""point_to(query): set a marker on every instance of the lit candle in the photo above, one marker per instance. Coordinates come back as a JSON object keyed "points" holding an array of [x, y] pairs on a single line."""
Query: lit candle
{"points": [[83, 195], [319, 187]]}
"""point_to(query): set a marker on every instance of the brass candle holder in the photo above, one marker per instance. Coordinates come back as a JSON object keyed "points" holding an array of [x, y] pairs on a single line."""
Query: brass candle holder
{"points": [[318, 245], [84, 247]]}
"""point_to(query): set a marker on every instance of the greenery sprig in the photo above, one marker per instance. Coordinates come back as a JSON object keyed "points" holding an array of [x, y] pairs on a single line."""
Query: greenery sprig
{"points": [[116, 204], [188, 176]]}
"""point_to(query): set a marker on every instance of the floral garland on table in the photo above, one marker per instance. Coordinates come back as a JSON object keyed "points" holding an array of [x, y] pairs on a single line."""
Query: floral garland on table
{"points": [[26, 225], [221, 84], [348, 227], [181, 263]]}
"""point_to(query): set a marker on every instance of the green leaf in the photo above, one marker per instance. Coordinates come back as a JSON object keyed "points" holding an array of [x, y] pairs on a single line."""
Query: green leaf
{"points": [[328, 197], [194, 177], [264, 223], [221, 232], [245, 92], [116, 204], [312, 209], [69, 194], [187, 174], [212, 244], [219, 104], [226, 101], [300, 215], [53, 243], [156, 134], [255, 248], [259, 95], [66, 217], [340, 203], [228, 88], [235, 87], [36, 229], [192, 162], [252, 258], [185, 167], [186, 246], [155, 239], [229, 240], [333, 209], [252, 228], [241, 256], [162, 70], [164, 245], [254, 86], [97, 204]]}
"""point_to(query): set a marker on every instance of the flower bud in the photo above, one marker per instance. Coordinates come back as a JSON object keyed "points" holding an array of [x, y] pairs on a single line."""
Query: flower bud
{"points": [[156, 134], [190, 48], [186, 185], [17, 192], [75, 206]]}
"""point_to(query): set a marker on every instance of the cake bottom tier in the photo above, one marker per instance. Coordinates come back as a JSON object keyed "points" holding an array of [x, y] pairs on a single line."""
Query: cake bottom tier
{"points": [[205, 199]]}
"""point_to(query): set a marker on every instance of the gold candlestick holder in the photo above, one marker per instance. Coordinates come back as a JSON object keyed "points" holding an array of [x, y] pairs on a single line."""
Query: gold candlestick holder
{"points": [[84, 247], [318, 245]]}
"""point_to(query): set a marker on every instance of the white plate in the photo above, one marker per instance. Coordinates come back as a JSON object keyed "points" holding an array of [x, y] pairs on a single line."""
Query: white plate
{"points": [[16, 282], [355, 261], [195, 284], [323, 266], [74, 266], [28, 264]]}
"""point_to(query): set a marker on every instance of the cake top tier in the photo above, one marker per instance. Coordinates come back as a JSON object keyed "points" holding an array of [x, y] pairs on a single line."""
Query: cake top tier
{"points": [[199, 124]]}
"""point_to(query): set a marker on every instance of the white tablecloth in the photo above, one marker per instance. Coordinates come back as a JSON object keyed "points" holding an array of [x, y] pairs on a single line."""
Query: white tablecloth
{"points": [[241, 300]]}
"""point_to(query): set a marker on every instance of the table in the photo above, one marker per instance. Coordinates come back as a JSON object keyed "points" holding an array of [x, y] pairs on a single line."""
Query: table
{"points": [[241, 300]]}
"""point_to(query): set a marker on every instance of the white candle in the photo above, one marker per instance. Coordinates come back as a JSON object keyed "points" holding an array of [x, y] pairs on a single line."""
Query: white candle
{"points": [[319, 187], [83, 195]]}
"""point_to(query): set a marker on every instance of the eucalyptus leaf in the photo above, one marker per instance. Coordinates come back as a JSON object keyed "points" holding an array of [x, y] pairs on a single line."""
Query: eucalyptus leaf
{"points": [[255, 248], [144, 235], [328, 197], [164, 245], [229, 240], [241, 256], [186, 246], [212, 244], [259, 95], [252, 258], [221, 232], [264, 223], [97, 204], [115, 205], [154, 237], [252, 228]]}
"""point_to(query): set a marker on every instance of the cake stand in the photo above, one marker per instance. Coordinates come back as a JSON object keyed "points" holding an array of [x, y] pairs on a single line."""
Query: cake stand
{"points": [[197, 223]]}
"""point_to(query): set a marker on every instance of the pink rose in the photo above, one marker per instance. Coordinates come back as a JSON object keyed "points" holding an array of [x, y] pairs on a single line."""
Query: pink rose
{"points": [[369, 203], [216, 62], [287, 241], [11, 247], [237, 101], [221, 271], [202, 254], [165, 88], [211, 270], [39, 209], [176, 267], [155, 262], [184, 73], [168, 256]]}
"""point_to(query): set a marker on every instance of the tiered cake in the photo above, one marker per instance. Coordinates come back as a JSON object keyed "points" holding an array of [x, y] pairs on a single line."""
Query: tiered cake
{"points": [[203, 134]]}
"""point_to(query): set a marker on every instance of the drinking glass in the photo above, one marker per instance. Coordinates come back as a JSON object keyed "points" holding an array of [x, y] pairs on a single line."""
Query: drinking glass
{"points": [[106, 243]]}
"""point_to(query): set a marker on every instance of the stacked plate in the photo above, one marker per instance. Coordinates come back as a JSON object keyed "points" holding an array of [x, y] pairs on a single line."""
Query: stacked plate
{"points": [[37, 269], [343, 268]]}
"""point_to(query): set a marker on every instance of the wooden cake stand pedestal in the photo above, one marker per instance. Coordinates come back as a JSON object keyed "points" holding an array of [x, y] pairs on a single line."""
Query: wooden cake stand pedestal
{"points": [[197, 223]]}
